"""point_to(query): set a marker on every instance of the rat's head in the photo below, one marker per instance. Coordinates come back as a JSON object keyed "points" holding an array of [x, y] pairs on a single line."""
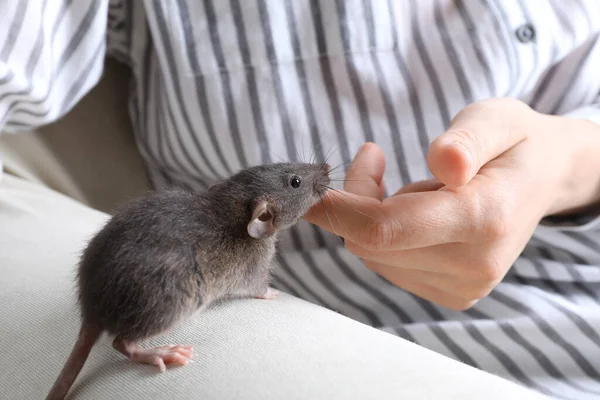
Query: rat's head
{"points": [[278, 195]]}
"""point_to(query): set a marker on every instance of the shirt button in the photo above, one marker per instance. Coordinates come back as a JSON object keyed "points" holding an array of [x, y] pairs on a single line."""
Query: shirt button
{"points": [[525, 33]]}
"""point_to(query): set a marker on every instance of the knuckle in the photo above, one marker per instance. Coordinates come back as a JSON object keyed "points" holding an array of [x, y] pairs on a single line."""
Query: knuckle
{"points": [[379, 235], [498, 226], [491, 270], [496, 220], [473, 209]]}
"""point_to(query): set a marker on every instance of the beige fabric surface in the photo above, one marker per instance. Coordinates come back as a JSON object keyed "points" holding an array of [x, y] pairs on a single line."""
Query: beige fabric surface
{"points": [[248, 349]]}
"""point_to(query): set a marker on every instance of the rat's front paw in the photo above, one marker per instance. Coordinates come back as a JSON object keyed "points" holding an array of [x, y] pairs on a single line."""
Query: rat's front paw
{"points": [[270, 294]]}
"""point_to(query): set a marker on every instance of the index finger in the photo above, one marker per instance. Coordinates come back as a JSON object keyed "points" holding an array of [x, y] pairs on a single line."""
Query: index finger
{"points": [[407, 221], [365, 175]]}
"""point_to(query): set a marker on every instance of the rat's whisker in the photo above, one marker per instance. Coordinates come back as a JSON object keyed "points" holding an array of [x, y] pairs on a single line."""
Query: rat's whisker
{"points": [[313, 154], [349, 180], [296, 157], [347, 195], [279, 158], [318, 153], [354, 168], [344, 167], [303, 148], [338, 219], [335, 168], [329, 220], [337, 190], [330, 151]]}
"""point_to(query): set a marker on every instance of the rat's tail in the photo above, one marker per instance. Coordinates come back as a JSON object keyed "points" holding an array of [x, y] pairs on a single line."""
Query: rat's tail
{"points": [[88, 336]]}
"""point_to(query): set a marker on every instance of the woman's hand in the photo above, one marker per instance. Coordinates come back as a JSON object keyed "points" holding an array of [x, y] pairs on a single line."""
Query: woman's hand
{"points": [[500, 168]]}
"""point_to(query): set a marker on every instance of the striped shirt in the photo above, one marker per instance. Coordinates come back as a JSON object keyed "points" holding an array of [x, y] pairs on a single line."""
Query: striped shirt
{"points": [[221, 85]]}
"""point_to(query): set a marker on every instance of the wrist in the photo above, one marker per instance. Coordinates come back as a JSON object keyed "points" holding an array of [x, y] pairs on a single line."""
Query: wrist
{"points": [[576, 142]]}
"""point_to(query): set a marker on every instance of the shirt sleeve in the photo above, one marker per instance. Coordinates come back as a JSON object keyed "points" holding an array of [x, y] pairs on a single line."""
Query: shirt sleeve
{"points": [[51, 55], [591, 220]]}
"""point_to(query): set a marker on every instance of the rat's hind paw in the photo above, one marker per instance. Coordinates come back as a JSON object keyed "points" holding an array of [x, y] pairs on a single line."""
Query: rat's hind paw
{"points": [[159, 356], [269, 294]]}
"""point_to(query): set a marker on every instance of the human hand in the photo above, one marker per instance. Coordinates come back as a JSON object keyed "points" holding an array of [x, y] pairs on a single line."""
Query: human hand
{"points": [[500, 168]]}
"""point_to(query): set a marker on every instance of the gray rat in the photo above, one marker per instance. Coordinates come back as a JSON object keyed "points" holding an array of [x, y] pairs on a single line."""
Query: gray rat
{"points": [[170, 253]]}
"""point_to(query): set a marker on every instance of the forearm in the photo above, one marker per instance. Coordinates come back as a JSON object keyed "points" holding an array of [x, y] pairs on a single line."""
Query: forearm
{"points": [[579, 191]]}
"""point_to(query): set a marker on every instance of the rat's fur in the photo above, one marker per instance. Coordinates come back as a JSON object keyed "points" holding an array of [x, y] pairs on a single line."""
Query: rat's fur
{"points": [[168, 254]]}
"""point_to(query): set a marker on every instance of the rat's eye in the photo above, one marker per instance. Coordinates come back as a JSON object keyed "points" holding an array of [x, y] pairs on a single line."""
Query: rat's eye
{"points": [[295, 181]]}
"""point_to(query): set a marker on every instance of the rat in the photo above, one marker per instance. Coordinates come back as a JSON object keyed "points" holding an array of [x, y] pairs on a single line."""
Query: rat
{"points": [[172, 252]]}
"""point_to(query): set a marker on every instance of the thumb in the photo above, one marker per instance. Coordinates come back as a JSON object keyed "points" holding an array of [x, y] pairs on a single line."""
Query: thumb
{"points": [[477, 135], [365, 175]]}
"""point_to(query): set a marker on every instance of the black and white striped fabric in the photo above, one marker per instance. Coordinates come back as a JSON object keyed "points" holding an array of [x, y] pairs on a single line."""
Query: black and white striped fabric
{"points": [[224, 84]]}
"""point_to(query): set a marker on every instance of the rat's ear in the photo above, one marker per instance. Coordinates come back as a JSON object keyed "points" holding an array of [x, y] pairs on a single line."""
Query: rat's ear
{"points": [[261, 224]]}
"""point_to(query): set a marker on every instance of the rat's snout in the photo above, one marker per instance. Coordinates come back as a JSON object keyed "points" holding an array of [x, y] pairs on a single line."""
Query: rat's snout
{"points": [[322, 180], [326, 178]]}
